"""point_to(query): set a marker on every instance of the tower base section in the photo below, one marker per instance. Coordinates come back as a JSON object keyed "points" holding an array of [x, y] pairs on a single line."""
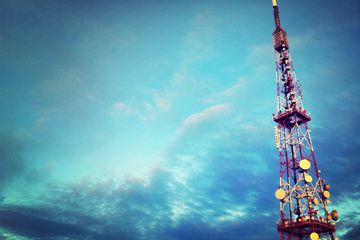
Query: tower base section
{"points": [[303, 230]]}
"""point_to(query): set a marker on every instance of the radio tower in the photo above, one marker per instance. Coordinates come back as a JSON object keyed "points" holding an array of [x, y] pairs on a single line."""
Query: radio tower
{"points": [[303, 193]]}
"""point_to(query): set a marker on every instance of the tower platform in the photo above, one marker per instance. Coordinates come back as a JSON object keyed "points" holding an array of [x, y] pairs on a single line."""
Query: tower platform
{"points": [[291, 117], [305, 227]]}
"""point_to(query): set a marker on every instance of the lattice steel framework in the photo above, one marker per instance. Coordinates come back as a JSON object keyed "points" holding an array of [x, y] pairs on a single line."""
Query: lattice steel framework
{"points": [[303, 193]]}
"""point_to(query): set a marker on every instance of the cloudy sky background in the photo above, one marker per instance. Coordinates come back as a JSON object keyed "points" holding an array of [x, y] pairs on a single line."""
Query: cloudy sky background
{"points": [[152, 119]]}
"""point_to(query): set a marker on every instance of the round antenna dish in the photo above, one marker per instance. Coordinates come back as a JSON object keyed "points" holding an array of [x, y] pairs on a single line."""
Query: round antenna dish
{"points": [[316, 201], [314, 236], [280, 194], [304, 164], [327, 187], [308, 178], [334, 215], [326, 194]]}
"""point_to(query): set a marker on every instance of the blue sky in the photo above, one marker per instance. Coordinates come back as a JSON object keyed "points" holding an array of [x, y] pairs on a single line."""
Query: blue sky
{"points": [[152, 119]]}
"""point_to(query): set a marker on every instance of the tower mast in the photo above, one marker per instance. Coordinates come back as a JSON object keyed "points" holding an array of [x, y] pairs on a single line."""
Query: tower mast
{"points": [[303, 193]]}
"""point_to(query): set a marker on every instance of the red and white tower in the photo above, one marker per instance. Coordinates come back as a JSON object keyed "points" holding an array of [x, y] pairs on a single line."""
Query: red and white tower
{"points": [[303, 193]]}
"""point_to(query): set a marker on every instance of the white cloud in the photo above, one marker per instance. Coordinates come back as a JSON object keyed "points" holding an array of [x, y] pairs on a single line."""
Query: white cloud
{"points": [[178, 78], [120, 106], [157, 105], [162, 103], [239, 87], [123, 107], [233, 214], [209, 113], [233, 90]]}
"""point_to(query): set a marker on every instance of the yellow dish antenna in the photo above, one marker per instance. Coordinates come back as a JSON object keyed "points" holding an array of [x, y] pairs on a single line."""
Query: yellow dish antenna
{"points": [[314, 236], [304, 164], [280, 194], [308, 178], [326, 194]]}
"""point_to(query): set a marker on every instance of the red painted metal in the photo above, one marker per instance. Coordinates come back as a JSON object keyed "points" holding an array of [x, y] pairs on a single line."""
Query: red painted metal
{"points": [[304, 206]]}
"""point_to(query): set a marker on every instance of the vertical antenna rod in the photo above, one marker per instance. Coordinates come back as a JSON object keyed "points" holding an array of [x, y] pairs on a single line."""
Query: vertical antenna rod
{"points": [[276, 14]]}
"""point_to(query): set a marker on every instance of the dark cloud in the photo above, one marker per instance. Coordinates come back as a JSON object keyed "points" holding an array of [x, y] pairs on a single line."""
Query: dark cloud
{"points": [[249, 229], [210, 175], [12, 161], [354, 233], [337, 148], [136, 209], [222, 178], [34, 223], [144, 209], [14, 165]]}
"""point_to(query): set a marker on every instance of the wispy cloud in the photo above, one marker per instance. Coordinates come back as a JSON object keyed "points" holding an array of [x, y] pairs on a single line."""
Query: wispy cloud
{"points": [[147, 110], [198, 180], [205, 115], [199, 43], [230, 93], [123, 107]]}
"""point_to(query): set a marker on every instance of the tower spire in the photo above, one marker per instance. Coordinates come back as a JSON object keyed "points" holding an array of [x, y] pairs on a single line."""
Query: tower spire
{"points": [[276, 15], [279, 34], [303, 193]]}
